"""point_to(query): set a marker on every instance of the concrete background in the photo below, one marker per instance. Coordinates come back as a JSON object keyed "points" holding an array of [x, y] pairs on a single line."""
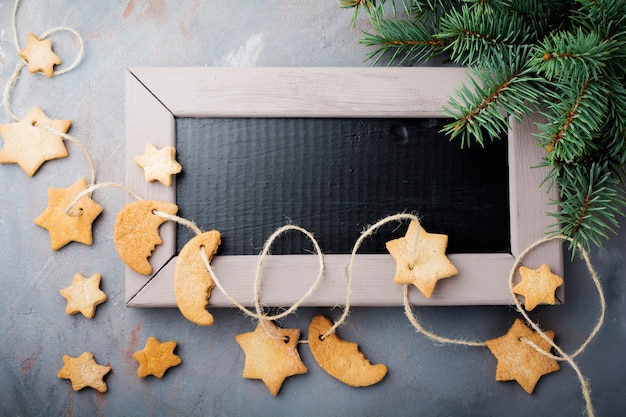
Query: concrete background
{"points": [[424, 378]]}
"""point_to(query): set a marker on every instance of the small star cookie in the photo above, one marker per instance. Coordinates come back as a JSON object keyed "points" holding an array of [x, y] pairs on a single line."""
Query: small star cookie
{"points": [[156, 358], [159, 164], [29, 144], [518, 360], [39, 56], [84, 372], [537, 286], [63, 227], [271, 359], [84, 295], [420, 258]]}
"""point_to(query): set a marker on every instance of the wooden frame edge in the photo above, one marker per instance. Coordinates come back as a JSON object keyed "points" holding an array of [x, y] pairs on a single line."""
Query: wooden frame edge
{"points": [[156, 96]]}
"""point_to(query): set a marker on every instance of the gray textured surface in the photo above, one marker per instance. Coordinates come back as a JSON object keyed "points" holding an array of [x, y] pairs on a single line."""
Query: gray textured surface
{"points": [[424, 378]]}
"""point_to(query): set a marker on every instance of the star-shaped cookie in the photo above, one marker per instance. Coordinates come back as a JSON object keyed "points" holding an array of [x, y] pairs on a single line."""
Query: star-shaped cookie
{"points": [[76, 226], [159, 164], [29, 144], [518, 360], [156, 358], [84, 372], [421, 258], [84, 295], [39, 56], [271, 359], [537, 286]]}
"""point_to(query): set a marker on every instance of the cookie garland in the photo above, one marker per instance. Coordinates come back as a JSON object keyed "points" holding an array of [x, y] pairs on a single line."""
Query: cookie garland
{"points": [[534, 344]]}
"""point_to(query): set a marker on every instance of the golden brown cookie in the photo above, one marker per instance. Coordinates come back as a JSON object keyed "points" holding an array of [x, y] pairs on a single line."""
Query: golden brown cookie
{"points": [[84, 295], [340, 358], [136, 232], [537, 286], [39, 56], [156, 358], [29, 143], [84, 372], [75, 226], [518, 360], [159, 164], [421, 258], [192, 281], [271, 359]]}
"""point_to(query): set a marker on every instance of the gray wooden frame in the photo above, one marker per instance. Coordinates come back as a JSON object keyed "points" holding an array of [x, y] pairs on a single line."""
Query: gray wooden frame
{"points": [[155, 97]]}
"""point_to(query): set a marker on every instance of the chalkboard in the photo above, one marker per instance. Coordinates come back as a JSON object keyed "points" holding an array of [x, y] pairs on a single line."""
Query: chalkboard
{"points": [[334, 176], [238, 126]]}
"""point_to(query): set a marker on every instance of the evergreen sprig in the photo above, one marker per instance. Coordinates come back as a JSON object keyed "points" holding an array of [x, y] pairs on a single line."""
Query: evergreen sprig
{"points": [[565, 59]]}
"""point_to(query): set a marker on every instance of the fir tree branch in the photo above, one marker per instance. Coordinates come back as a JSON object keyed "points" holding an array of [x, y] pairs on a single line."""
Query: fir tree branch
{"points": [[590, 204], [479, 37], [571, 57], [495, 91], [574, 116], [403, 40]]}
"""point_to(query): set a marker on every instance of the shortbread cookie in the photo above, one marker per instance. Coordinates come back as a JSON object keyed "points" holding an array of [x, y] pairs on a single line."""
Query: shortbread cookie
{"points": [[30, 142], [136, 232], [39, 56], [340, 358], [537, 286], [84, 372], [192, 281], [74, 226], [84, 295], [156, 358], [518, 360], [421, 258], [159, 164], [271, 359]]}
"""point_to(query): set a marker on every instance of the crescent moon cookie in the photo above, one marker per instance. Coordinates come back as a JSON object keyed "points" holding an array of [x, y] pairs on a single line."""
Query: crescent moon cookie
{"points": [[136, 232], [192, 281], [340, 358], [421, 258]]}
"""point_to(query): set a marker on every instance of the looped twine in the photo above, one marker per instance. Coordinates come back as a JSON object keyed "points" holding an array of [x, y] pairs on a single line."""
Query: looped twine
{"points": [[258, 314]]}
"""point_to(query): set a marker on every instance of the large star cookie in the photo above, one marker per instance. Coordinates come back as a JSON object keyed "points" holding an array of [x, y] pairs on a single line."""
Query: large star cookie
{"points": [[75, 226], [518, 360], [84, 295], [537, 286], [156, 358], [159, 164], [271, 359], [39, 56], [421, 258], [29, 143], [84, 372]]}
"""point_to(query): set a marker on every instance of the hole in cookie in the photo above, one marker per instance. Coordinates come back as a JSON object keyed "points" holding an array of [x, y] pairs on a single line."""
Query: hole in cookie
{"points": [[75, 212], [321, 337], [286, 339], [33, 122]]}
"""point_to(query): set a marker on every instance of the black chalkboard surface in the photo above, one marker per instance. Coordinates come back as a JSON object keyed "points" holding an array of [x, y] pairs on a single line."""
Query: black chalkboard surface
{"points": [[248, 176]]}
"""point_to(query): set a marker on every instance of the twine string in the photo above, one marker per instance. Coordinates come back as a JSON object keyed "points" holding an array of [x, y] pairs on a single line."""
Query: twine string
{"points": [[258, 314], [367, 233], [562, 355], [89, 191]]}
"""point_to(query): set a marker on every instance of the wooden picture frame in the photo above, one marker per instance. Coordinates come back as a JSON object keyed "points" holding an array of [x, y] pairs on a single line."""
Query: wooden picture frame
{"points": [[156, 96]]}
